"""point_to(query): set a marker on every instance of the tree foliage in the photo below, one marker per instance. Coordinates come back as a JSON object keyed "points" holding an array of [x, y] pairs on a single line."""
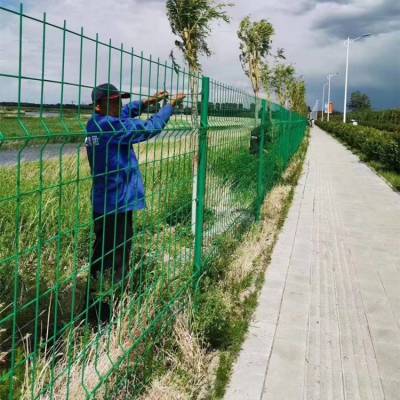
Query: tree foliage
{"points": [[282, 81], [266, 79], [298, 97], [359, 102], [191, 20], [255, 45], [289, 89]]}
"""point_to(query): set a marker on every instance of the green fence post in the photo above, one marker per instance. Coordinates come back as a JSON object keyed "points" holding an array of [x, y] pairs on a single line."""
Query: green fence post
{"points": [[201, 181], [261, 161]]}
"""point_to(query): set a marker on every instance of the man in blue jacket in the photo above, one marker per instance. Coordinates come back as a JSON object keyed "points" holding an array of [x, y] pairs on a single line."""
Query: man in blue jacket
{"points": [[118, 188]]}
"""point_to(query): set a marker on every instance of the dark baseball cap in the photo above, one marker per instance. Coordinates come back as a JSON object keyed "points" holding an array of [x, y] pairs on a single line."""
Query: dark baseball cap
{"points": [[107, 90]]}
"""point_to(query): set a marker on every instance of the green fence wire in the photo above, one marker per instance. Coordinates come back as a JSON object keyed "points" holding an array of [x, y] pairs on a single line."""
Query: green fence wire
{"points": [[64, 335]]}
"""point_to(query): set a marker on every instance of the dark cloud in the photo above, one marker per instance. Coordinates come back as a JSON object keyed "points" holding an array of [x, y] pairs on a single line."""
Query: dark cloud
{"points": [[307, 29], [314, 3], [306, 6], [382, 92], [357, 20]]}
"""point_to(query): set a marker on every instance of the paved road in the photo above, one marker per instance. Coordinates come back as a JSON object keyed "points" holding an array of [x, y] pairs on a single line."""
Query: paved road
{"points": [[9, 158], [328, 322], [33, 153]]}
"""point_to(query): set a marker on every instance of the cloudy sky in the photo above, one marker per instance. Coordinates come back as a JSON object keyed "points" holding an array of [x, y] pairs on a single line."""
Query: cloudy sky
{"points": [[312, 32]]}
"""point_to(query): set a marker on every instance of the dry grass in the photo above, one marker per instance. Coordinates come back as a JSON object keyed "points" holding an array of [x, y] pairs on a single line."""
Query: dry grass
{"points": [[259, 241], [90, 362], [191, 368], [165, 389], [3, 355], [252, 255]]}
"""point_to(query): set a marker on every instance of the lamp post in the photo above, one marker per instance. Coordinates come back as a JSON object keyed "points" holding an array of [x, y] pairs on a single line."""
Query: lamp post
{"points": [[329, 77], [347, 72], [323, 100], [314, 111]]}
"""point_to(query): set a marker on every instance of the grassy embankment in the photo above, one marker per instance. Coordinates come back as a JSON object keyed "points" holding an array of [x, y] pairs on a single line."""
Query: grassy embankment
{"points": [[379, 149], [208, 341]]}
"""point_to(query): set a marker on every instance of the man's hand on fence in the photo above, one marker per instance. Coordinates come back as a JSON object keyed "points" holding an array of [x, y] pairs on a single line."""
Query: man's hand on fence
{"points": [[159, 96], [178, 99]]}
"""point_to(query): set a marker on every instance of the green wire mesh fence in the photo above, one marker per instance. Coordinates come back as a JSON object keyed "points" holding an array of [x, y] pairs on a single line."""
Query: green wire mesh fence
{"points": [[66, 334]]}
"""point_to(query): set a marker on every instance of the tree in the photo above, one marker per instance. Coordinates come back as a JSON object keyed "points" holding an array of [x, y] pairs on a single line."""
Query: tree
{"points": [[267, 72], [191, 20], [255, 45], [290, 90], [282, 80], [359, 102]]}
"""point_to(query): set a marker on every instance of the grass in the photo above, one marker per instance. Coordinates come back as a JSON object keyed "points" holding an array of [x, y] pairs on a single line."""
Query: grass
{"points": [[69, 129], [61, 216], [392, 177], [15, 128], [115, 362], [54, 231]]}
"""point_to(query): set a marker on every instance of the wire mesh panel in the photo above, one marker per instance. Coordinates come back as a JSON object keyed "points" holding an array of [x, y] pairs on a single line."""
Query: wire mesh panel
{"points": [[231, 186], [108, 217]]}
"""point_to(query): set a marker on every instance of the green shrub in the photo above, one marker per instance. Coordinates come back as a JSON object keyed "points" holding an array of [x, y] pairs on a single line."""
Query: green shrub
{"points": [[373, 144], [214, 321]]}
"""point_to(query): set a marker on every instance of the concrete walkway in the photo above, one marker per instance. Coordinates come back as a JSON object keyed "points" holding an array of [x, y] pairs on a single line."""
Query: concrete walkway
{"points": [[328, 321]]}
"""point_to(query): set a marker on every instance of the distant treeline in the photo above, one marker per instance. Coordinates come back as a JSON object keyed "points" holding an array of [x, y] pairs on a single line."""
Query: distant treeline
{"points": [[10, 104], [214, 109], [392, 116]]}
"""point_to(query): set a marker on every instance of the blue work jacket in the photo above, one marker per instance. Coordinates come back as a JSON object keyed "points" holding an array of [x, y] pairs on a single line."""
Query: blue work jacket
{"points": [[117, 181]]}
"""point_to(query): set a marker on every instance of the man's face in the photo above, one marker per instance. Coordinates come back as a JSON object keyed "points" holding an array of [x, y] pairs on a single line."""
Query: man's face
{"points": [[113, 108]]}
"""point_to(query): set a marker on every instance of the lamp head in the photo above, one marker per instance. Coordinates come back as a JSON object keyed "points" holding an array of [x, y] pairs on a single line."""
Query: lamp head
{"points": [[362, 37], [332, 74]]}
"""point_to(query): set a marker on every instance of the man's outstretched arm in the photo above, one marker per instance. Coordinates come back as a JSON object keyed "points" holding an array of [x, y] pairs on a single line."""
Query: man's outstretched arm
{"points": [[136, 108], [136, 130]]}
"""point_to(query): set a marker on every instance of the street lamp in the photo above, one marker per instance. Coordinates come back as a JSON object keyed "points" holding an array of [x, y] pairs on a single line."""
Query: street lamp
{"points": [[329, 77], [347, 72], [323, 100]]}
